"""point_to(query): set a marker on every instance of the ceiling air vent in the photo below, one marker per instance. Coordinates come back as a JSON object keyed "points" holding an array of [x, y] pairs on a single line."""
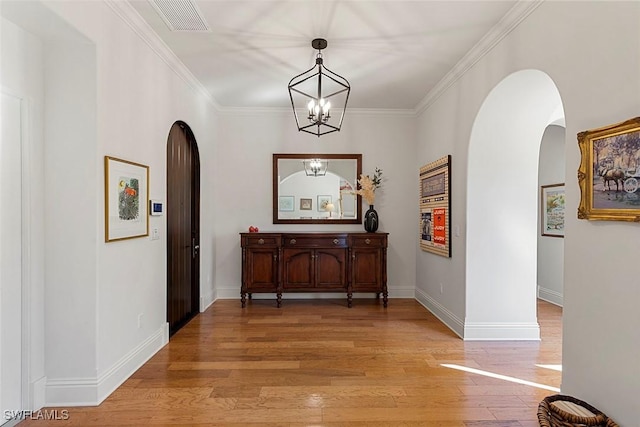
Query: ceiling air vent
{"points": [[180, 15]]}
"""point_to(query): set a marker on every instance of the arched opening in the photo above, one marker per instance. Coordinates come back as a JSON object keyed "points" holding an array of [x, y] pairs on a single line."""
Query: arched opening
{"points": [[183, 226], [502, 207], [551, 180]]}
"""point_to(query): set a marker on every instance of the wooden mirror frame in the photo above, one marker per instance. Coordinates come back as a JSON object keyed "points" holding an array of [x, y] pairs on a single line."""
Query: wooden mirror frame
{"points": [[276, 220]]}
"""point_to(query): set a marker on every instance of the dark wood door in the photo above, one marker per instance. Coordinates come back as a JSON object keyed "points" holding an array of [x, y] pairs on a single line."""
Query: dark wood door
{"points": [[183, 220], [331, 268]]}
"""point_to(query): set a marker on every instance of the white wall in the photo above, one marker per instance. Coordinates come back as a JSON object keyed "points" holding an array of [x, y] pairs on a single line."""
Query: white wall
{"points": [[71, 203], [551, 249], [384, 140], [590, 50], [106, 93]]}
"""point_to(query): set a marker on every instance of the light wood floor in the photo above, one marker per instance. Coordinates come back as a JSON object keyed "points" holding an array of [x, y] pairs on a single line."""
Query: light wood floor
{"points": [[319, 363]]}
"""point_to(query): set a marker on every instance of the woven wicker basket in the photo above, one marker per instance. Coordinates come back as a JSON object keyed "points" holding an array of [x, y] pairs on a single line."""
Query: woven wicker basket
{"points": [[566, 411]]}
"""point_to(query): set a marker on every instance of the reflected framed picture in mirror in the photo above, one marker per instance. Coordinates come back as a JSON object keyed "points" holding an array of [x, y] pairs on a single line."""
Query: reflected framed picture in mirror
{"points": [[306, 204], [323, 202], [285, 203]]}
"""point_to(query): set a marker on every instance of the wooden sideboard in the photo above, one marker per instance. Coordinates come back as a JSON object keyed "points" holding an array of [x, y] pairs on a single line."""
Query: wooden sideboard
{"points": [[314, 262]]}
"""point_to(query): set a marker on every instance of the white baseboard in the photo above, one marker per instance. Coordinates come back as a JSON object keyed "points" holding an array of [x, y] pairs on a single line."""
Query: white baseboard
{"points": [[551, 296], [37, 393], [206, 301], [452, 321], [92, 391], [486, 331]]}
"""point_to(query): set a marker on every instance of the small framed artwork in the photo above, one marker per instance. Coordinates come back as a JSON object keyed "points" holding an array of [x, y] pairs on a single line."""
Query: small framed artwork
{"points": [[323, 201], [609, 172], [305, 204], [126, 199], [552, 210], [285, 203]]}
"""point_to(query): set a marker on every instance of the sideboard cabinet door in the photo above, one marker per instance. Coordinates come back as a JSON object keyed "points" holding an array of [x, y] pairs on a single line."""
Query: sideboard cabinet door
{"points": [[331, 269], [262, 270], [308, 269], [298, 268], [369, 264], [260, 264]]}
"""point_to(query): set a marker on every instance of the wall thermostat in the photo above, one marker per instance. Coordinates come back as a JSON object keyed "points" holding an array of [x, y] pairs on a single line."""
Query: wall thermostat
{"points": [[156, 207]]}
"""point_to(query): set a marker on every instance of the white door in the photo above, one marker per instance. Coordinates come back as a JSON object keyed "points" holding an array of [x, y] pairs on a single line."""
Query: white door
{"points": [[10, 257]]}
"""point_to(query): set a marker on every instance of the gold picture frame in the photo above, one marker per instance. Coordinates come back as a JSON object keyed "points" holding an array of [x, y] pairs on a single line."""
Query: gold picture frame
{"points": [[126, 199], [609, 172]]}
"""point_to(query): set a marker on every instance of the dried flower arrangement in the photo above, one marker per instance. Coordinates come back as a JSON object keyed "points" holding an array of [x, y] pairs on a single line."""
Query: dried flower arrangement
{"points": [[369, 185]]}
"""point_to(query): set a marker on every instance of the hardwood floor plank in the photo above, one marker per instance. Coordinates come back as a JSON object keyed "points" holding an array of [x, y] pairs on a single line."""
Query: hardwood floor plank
{"points": [[319, 363], [406, 414]]}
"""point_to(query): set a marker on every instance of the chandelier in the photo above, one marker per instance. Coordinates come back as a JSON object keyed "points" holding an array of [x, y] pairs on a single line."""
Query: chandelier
{"points": [[319, 92], [315, 167]]}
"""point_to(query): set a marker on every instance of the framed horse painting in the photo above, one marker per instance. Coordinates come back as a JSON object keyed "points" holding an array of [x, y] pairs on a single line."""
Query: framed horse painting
{"points": [[609, 172]]}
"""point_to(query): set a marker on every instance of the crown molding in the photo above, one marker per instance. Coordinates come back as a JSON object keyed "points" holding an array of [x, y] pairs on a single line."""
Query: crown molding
{"points": [[508, 23], [132, 18]]}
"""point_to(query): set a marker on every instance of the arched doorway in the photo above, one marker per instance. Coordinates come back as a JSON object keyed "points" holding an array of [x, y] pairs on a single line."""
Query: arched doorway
{"points": [[502, 207], [183, 226], [551, 180]]}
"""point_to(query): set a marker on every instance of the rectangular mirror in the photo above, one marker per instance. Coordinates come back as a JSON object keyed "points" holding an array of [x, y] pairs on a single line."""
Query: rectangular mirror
{"points": [[316, 189]]}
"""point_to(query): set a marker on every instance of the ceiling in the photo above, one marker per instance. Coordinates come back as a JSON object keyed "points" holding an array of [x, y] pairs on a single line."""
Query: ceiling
{"points": [[392, 52]]}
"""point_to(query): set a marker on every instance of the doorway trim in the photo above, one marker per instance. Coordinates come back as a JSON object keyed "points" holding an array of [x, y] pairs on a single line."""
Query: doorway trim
{"points": [[31, 395]]}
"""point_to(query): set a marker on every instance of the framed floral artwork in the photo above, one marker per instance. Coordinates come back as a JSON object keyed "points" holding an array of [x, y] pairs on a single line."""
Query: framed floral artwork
{"points": [[126, 199]]}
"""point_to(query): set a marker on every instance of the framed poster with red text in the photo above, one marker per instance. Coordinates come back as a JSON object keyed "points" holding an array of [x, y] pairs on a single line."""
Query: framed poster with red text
{"points": [[435, 207]]}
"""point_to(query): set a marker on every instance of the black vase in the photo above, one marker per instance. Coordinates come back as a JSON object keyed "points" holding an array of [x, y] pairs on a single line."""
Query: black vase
{"points": [[371, 220]]}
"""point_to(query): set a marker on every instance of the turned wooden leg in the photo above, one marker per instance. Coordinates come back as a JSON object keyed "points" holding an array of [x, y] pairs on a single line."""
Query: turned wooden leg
{"points": [[279, 299], [243, 299], [349, 300], [249, 295], [385, 299]]}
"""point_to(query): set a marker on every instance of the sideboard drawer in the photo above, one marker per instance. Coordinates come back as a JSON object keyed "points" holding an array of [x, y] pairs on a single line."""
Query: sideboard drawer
{"points": [[300, 241], [369, 241], [261, 240]]}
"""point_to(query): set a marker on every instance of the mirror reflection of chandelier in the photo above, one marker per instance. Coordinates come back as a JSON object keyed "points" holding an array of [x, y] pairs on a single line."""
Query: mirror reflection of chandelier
{"points": [[319, 91], [315, 167]]}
